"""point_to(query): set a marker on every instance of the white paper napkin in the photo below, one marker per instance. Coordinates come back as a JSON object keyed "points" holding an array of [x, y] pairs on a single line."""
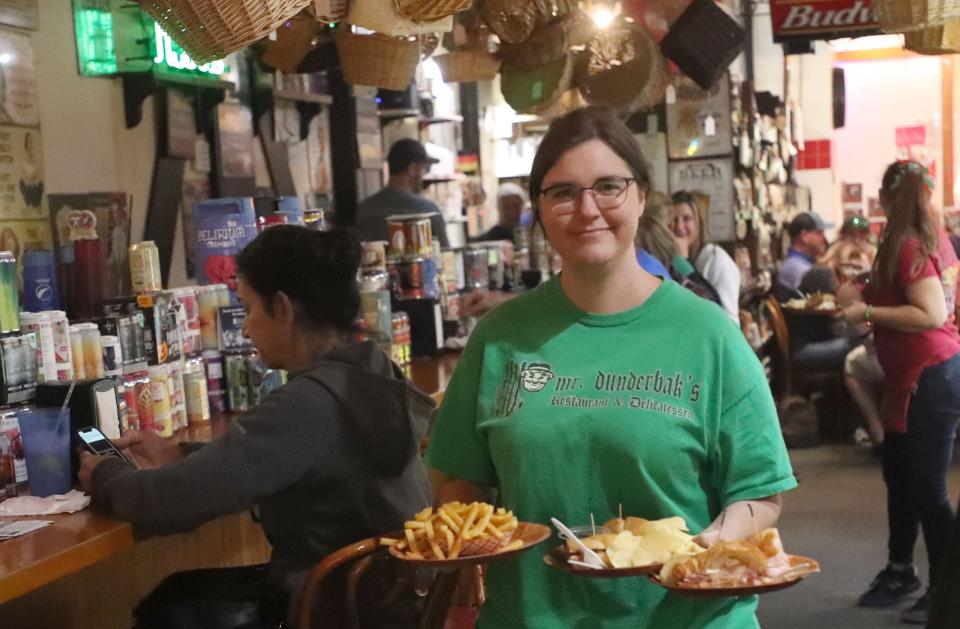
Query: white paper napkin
{"points": [[32, 505]]}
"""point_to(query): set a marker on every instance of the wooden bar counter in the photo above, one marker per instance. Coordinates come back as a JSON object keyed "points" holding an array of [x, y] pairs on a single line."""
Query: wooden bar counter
{"points": [[89, 570]]}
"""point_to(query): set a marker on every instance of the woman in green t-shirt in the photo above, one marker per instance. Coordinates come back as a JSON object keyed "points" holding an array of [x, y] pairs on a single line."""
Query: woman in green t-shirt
{"points": [[602, 388]]}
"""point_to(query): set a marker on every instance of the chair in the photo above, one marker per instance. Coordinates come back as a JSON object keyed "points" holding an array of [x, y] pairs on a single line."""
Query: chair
{"points": [[357, 559]]}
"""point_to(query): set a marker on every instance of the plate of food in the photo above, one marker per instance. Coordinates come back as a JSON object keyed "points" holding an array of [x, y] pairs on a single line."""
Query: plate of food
{"points": [[816, 304], [459, 534], [627, 547], [754, 565]]}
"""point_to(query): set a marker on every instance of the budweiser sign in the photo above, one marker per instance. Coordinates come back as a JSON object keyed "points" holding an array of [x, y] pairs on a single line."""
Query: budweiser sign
{"points": [[822, 19]]}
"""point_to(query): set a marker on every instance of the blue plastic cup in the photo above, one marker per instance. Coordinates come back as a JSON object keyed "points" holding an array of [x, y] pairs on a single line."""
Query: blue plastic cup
{"points": [[46, 447]]}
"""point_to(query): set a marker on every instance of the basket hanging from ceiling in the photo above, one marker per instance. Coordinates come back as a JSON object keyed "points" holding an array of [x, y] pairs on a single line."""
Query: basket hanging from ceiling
{"points": [[211, 29], [294, 40], [531, 91], [377, 60], [903, 16], [328, 11], [514, 20], [549, 41], [382, 16], [467, 65], [429, 10], [622, 68]]}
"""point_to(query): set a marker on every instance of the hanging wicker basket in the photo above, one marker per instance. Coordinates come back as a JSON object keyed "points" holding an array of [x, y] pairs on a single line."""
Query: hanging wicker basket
{"points": [[377, 60], [936, 40], [329, 11], [294, 40], [466, 66], [211, 29], [511, 20], [429, 10], [567, 101], [381, 16], [904, 16], [528, 92], [623, 68], [550, 41]]}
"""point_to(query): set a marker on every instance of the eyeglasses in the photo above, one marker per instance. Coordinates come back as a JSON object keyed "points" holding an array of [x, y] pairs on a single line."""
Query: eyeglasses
{"points": [[609, 193]]}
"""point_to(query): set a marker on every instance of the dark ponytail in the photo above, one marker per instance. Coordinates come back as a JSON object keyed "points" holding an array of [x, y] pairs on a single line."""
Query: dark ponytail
{"points": [[316, 270]]}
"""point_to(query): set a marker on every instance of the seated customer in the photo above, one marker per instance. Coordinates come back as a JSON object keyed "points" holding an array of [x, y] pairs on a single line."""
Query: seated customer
{"points": [[818, 343], [511, 199], [807, 243], [327, 459]]}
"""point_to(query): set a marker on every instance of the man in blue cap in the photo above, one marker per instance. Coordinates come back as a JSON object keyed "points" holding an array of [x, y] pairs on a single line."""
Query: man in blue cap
{"points": [[807, 243]]}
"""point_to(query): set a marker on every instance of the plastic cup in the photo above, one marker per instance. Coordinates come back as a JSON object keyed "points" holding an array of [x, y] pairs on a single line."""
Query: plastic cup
{"points": [[46, 446]]}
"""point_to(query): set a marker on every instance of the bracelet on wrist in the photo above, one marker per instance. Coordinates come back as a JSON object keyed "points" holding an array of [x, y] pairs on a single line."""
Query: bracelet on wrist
{"points": [[868, 313]]}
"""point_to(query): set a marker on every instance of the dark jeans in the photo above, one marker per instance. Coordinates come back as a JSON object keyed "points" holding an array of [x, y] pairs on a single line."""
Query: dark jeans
{"points": [[215, 598], [822, 355], [915, 466]]}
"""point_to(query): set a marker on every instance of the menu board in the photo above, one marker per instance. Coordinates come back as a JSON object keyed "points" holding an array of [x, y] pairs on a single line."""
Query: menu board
{"points": [[234, 141], [21, 174], [714, 178], [698, 121], [20, 13], [18, 82]]}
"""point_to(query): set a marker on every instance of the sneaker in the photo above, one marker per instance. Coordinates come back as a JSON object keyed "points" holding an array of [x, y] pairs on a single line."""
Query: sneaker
{"points": [[889, 587], [918, 613]]}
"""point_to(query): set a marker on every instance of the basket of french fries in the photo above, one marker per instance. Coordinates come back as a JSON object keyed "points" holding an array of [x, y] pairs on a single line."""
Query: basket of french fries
{"points": [[461, 531]]}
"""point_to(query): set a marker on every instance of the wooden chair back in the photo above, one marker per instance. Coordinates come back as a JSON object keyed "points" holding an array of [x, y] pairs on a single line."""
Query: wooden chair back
{"points": [[781, 335], [357, 559]]}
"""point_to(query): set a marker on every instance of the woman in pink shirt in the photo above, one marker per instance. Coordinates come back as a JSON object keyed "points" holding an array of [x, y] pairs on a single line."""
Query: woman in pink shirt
{"points": [[910, 303]]}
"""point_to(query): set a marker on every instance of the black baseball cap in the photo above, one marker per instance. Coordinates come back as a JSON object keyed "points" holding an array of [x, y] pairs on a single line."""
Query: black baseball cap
{"points": [[405, 152], [807, 222]]}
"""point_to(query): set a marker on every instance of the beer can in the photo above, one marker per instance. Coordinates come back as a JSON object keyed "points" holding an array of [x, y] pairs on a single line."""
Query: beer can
{"points": [[132, 418], [76, 351], [419, 233], [256, 372], [92, 350], [112, 356], [195, 389], [178, 405], [9, 294], [42, 326], [238, 382], [10, 426], [8, 475], [61, 344], [190, 339], [145, 267], [495, 265], [216, 387], [223, 295], [430, 278], [396, 236], [208, 301], [374, 255], [144, 403], [160, 396]]}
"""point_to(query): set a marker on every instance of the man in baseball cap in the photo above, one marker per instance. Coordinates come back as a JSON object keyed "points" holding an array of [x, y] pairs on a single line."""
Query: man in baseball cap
{"points": [[511, 199], [408, 163], [807, 243]]}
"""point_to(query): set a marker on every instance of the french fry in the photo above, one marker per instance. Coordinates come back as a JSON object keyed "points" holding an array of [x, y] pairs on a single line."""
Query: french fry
{"points": [[452, 529], [468, 521], [388, 541], [481, 527], [511, 546], [424, 515]]}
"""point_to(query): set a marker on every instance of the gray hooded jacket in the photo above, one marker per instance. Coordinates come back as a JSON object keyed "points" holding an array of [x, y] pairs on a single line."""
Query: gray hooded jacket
{"points": [[330, 458]]}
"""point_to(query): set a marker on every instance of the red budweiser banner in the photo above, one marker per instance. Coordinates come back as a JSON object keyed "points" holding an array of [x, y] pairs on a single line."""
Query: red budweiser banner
{"points": [[822, 19]]}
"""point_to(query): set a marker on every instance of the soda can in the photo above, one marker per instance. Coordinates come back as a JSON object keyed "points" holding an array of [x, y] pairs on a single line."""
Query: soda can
{"points": [[238, 382], [145, 267], [10, 426], [92, 351], [132, 417], [9, 294], [42, 326], [61, 344], [195, 388], [208, 302], [256, 373], [224, 296], [178, 406], [144, 403], [190, 343], [76, 351], [8, 475], [430, 278], [160, 397], [477, 274], [216, 387], [112, 356]]}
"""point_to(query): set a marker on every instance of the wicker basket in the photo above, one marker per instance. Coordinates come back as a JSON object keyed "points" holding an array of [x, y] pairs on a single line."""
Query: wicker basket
{"points": [[211, 29], [550, 41], [511, 20], [329, 11], [381, 16], [465, 66], [623, 69], [429, 10], [904, 16], [567, 101], [528, 92], [377, 60], [936, 40], [294, 40]]}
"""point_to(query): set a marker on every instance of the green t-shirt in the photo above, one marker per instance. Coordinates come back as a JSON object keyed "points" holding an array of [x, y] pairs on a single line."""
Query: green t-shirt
{"points": [[663, 408]]}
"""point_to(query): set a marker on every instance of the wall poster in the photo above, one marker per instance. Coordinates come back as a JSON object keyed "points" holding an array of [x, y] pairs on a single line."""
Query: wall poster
{"points": [[18, 82], [21, 174], [714, 178], [698, 122]]}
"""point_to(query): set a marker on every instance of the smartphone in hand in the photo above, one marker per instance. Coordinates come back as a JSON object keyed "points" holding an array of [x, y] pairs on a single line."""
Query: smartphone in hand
{"points": [[98, 443]]}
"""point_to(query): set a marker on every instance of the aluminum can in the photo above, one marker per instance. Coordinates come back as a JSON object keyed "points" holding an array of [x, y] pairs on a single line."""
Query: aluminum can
{"points": [[42, 326], [208, 302], [238, 382], [256, 372], [190, 335], [112, 356], [10, 426], [178, 405], [144, 403], [477, 273], [145, 267], [9, 294], [195, 389], [76, 351], [61, 344], [374, 256], [92, 351], [132, 419], [8, 475], [160, 396], [216, 387]]}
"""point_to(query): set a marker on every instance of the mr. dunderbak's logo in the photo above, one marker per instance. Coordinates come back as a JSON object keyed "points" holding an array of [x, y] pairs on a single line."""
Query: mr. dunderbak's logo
{"points": [[531, 377]]}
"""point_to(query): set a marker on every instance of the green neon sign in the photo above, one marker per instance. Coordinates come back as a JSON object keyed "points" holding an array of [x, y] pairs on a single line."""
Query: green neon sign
{"points": [[118, 37]]}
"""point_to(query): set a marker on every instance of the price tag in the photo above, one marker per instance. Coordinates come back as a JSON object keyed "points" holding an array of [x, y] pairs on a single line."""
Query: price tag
{"points": [[671, 94], [710, 126]]}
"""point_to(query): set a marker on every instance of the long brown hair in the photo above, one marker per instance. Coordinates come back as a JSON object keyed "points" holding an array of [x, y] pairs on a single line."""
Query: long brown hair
{"points": [[905, 186], [654, 235], [694, 200]]}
